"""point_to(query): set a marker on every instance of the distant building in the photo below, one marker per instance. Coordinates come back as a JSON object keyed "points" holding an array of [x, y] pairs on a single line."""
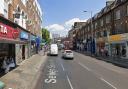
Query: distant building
{"points": [[55, 35]]}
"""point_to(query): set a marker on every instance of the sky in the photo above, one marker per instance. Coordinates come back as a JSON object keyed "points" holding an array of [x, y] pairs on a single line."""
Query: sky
{"points": [[60, 15]]}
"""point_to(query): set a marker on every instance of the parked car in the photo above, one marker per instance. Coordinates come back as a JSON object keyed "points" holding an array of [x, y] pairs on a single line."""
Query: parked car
{"points": [[54, 49], [68, 54]]}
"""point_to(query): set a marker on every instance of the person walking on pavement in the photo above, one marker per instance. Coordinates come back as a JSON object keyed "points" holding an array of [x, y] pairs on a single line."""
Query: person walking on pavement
{"points": [[45, 49]]}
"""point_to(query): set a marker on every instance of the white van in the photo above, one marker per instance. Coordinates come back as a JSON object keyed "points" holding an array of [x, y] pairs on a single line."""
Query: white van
{"points": [[53, 49]]}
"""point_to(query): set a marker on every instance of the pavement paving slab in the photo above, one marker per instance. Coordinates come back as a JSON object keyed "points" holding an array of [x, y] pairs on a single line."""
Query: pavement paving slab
{"points": [[25, 76]]}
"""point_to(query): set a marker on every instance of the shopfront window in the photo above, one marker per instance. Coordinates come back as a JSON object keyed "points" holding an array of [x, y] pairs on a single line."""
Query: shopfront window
{"points": [[123, 51], [3, 49], [118, 50]]}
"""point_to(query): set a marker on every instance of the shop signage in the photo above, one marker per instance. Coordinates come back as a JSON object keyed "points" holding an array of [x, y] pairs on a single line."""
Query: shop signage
{"points": [[8, 32], [32, 38], [24, 35], [119, 37]]}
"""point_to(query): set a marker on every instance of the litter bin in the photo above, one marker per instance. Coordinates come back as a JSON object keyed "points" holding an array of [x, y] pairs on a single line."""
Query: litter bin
{"points": [[2, 85]]}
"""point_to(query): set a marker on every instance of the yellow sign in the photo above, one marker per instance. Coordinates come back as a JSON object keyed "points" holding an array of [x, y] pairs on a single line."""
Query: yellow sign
{"points": [[115, 38], [118, 37]]}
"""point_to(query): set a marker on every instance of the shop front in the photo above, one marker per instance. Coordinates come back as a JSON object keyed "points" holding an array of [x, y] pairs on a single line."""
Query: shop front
{"points": [[38, 44], [119, 45], [9, 36], [24, 47], [101, 46], [33, 44], [88, 45]]}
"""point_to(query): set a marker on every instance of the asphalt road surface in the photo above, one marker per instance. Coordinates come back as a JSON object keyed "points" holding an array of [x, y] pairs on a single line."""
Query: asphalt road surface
{"points": [[83, 72]]}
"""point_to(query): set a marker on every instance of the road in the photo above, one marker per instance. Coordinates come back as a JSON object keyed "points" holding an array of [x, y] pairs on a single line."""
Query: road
{"points": [[83, 72]]}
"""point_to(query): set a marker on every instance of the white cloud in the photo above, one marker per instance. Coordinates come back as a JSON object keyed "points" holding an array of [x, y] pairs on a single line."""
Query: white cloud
{"points": [[55, 27], [69, 23], [63, 29]]}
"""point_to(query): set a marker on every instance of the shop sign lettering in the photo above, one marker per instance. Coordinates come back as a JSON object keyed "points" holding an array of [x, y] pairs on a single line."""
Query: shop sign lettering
{"points": [[8, 32], [3, 29], [119, 37]]}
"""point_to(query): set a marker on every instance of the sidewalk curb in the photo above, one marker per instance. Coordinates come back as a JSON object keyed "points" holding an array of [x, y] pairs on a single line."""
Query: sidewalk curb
{"points": [[116, 63]]}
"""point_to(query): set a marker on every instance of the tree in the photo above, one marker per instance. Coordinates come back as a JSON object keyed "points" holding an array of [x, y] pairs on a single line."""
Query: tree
{"points": [[46, 35]]}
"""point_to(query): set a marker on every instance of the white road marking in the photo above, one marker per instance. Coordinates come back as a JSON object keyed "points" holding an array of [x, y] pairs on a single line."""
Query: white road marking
{"points": [[62, 67], [69, 82], [108, 83], [84, 66]]}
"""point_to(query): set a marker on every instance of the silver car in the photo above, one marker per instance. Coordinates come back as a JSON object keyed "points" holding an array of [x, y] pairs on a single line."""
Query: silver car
{"points": [[68, 54]]}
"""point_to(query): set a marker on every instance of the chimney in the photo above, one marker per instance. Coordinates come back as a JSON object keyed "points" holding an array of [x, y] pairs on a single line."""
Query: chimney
{"points": [[109, 2]]}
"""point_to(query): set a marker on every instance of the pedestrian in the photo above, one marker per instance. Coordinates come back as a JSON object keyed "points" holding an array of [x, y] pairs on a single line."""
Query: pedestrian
{"points": [[123, 52], [44, 48], [102, 51]]}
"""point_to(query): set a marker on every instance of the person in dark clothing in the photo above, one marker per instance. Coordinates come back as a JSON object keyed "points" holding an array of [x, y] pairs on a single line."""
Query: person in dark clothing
{"points": [[123, 52]]}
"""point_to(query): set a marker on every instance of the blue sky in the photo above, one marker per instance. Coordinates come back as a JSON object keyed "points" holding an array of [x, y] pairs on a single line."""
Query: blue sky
{"points": [[59, 15]]}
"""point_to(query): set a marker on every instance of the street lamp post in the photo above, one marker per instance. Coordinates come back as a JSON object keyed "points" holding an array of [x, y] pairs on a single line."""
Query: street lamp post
{"points": [[91, 30]]}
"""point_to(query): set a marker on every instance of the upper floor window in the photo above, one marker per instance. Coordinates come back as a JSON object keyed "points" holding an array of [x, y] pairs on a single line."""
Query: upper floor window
{"points": [[34, 4], [105, 33], [101, 22], [108, 18], [24, 2], [88, 28], [117, 15], [95, 25]]}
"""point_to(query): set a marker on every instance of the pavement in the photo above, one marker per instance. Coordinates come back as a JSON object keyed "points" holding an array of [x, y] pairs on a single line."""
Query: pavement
{"points": [[84, 72], [26, 75], [121, 62]]}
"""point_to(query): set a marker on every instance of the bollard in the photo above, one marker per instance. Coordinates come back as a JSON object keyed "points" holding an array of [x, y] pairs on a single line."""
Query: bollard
{"points": [[2, 85]]}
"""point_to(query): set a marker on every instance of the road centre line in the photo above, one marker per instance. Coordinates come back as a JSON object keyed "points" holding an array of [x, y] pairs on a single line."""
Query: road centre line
{"points": [[108, 83], [84, 66], [70, 83], [62, 67]]}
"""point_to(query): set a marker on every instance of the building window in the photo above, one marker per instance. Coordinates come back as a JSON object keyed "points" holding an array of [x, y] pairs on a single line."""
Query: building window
{"points": [[126, 27], [127, 9], [102, 33], [95, 25], [117, 15], [105, 33], [119, 29], [34, 4], [108, 18], [24, 1], [88, 29], [101, 22], [98, 34]]}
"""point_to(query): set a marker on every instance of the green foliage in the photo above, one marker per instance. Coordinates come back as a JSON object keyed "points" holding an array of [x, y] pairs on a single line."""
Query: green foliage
{"points": [[46, 35]]}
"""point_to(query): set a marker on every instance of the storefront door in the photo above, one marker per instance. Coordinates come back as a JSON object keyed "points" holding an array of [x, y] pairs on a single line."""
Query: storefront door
{"points": [[23, 52]]}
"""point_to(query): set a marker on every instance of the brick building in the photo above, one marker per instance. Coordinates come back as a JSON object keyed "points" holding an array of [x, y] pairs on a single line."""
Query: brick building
{"points": [[25, 18], [108, 31]]}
